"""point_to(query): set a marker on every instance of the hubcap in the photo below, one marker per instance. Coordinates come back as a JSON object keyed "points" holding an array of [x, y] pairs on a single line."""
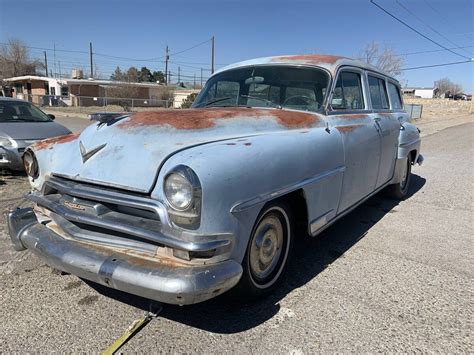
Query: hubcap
{"points": [[266, 246]]}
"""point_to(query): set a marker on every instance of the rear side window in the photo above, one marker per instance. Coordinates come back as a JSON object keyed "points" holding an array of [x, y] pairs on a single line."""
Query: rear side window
{"points": [[348, 92], [378, 93], [395, 98]]}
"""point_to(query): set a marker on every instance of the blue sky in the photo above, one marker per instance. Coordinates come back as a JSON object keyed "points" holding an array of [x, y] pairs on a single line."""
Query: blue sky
{"points": [[243, 29]]}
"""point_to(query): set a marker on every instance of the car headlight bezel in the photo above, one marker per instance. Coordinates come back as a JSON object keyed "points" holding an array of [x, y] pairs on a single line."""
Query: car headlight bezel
{"points": [[186, 214], [30, 163]]}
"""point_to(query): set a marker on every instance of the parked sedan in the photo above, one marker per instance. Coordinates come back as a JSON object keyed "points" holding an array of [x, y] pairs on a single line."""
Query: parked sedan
{"points": [[183, 205], [22, 124]]}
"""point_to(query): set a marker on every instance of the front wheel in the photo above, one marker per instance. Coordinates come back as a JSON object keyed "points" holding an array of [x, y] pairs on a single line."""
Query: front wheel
{"points": [[268, 252], [400, 190]]}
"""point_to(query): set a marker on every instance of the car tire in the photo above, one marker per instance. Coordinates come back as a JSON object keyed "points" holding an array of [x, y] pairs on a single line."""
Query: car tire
{"points": [[399, 190], [268, 252]]}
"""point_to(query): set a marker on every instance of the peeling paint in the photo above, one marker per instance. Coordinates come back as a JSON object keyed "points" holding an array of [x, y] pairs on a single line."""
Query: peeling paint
{"points": [[309, 58], [48, 143], [206, 118], [347, 129]]}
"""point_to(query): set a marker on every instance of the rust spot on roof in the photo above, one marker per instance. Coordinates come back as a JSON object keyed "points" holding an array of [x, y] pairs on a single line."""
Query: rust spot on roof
{"points": [[48, 143], [308, 58], [347, 129], [205, 118]]}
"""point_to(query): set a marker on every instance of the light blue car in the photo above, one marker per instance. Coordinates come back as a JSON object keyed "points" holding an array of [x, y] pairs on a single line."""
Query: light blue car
{"points": [[180, 206]]}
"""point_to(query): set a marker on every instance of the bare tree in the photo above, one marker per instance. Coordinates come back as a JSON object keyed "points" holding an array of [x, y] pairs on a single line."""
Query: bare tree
{"points": [[383, 58], [446, 86], [15, 60]]}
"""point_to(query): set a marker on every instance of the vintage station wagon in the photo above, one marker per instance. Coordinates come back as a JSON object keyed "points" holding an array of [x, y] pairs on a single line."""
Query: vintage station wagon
{"points": [[180, 206]]}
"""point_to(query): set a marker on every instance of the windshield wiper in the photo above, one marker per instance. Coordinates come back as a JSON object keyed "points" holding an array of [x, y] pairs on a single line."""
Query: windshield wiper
{"points": [[210, 102], [272, 104]]}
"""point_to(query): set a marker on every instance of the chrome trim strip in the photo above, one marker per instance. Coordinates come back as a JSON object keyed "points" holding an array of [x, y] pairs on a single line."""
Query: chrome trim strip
{"points": [[275, 194], [319, 222]]}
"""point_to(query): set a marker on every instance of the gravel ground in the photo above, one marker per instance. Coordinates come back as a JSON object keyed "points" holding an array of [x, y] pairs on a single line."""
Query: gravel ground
{"points": [[389, 277]]}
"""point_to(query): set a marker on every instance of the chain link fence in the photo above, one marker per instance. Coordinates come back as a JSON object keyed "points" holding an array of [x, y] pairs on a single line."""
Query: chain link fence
{"points": [[96, 103], [414, 110]]}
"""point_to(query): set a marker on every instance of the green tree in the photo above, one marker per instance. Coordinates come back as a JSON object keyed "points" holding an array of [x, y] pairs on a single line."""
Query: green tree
{"points": [[117, 75], [145, 75], [187, 102], [159, 76], [132, 75]]}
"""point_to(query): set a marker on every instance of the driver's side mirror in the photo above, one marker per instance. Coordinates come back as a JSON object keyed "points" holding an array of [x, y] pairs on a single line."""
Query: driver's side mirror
{"points": [[51, 116]]}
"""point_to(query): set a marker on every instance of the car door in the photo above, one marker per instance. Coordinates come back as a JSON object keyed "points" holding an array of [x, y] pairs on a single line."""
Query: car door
{"points": [[350, 115], [387, 125]]}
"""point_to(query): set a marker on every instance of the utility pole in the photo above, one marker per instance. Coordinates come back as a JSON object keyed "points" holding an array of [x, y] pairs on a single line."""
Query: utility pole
{"points": [[167, 57], [46, 63], [179, 75], [201, 78], [194, 84], [54, 55], [212, 56], [60, 74], [90, 55]]}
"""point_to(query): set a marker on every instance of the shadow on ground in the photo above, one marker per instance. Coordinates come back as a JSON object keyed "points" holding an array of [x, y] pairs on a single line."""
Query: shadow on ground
{"points": [[310, 257]]}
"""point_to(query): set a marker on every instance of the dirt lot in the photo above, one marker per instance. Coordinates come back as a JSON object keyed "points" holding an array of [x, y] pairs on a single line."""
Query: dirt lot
{"points": [[389, 277]]}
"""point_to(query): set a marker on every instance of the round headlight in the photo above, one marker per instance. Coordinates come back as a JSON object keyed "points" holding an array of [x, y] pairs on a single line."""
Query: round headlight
{"points": [[31, 164], [178, 191]]}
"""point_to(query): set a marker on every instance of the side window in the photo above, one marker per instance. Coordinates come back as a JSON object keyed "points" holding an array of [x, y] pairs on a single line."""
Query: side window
{"points": [[395, 98], [348, 92], [378, 93]]}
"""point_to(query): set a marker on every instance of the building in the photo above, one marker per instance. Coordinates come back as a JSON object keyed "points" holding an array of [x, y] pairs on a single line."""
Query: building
{"points": [[44, 91], [424, 93], [179, 95]]}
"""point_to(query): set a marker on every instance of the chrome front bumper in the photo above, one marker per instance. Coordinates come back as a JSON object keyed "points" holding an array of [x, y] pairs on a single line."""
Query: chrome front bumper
{"points": [[164, 282]]}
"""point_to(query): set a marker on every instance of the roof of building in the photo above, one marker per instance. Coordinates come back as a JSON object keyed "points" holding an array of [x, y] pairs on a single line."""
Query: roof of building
{"points": [[328, 62], [417, 88], [79, 81]]}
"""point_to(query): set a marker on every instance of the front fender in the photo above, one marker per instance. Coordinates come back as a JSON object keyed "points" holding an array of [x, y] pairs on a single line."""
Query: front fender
{"points": [[239, 176]]}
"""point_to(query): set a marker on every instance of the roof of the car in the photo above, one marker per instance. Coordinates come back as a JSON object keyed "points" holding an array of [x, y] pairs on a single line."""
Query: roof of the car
{"points": [[329, 62], [5, 98]]}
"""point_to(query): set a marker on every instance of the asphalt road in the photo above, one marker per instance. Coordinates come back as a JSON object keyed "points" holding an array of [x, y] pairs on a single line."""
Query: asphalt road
{"points": [[389, 277]]}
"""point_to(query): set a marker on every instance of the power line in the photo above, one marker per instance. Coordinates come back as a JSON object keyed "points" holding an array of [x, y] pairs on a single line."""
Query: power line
{"points": [[437, 65], [432, 51], [188, 49], [416, 31], [428, 25], [442, 16]]}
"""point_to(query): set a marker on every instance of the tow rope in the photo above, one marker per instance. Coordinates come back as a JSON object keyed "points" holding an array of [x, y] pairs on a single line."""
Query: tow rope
{"points": [[132, 330]]}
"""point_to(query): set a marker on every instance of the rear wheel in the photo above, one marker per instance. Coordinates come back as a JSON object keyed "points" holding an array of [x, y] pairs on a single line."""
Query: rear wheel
{"points": [[268, 252], [400, 190]]}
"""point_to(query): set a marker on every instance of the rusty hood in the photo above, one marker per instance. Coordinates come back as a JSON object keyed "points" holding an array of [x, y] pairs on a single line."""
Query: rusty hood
{"points": [[127, 153]]}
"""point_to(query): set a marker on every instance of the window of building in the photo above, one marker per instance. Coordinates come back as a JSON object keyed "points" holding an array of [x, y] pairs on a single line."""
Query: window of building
{"points": [[64, 91], [378, 93]]}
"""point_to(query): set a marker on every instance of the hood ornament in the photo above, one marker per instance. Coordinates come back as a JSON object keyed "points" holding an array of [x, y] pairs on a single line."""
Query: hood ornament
{"points": [[86, 155]]}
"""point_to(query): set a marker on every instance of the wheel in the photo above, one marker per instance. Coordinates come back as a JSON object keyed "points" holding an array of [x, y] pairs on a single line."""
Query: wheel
{"points": [[268, 252], [400, 190]]}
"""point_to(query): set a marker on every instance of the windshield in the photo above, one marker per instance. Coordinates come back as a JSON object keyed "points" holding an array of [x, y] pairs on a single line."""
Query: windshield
{"points": [[19, 111], [266, 86]]}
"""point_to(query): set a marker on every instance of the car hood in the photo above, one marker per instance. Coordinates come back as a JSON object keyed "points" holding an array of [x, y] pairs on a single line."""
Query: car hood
{"points": [[128, 153], [32, 130]]}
